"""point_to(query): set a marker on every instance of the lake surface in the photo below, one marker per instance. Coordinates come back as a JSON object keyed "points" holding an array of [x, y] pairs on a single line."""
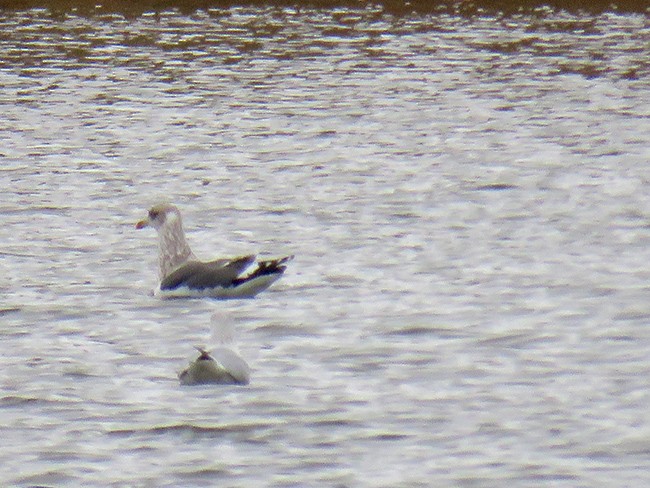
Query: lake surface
{"points": [[467, 199]]}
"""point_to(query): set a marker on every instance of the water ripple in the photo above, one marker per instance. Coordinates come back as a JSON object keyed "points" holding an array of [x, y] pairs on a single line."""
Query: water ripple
{"points": [[464, 192]]}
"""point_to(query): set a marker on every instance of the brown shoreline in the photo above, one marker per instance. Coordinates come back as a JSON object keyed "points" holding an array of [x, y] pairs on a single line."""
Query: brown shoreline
{"points": [[396, 7]]}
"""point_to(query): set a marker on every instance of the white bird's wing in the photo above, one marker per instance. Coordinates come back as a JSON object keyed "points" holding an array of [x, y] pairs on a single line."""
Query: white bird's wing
{"points": [[233, 363]]}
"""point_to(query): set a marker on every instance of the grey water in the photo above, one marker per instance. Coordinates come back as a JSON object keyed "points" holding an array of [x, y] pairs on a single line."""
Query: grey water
{"points": [[468, 201]]}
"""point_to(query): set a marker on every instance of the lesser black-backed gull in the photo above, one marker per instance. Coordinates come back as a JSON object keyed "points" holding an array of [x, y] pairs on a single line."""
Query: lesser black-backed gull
{"points": [[183, 275]]}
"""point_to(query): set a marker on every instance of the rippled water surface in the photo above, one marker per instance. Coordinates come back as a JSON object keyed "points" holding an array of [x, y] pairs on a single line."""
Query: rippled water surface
{"points": [[467, 199]]}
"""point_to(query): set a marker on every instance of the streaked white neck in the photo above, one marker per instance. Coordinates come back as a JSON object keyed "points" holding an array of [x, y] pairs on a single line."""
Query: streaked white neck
{"points": [[173, 249]]}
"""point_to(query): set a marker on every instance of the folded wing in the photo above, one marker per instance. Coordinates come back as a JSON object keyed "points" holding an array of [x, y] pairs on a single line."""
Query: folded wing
{"points": [[222, 273]]}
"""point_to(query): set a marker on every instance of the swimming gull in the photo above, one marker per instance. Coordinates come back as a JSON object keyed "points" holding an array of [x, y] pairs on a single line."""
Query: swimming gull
{"points": [[183, 275], [223, 365]]}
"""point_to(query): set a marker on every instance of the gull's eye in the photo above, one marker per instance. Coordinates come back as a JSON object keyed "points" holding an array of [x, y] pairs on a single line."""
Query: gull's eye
{"points": [[153, 214]]}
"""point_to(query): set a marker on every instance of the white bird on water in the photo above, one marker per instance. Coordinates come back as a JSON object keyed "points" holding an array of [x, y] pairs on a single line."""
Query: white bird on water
{"points": [[223, 365], [183, 275]]}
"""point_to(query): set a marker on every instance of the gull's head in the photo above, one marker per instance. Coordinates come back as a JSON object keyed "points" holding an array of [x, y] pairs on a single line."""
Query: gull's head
{"points": [[159, 216]]}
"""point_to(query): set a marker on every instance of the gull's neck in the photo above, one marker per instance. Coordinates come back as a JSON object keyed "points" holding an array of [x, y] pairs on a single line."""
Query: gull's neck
{"points": [[173, 249]]}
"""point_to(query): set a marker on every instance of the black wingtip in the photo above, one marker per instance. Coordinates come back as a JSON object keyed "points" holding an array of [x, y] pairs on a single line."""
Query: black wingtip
{"points": [[272, 266], [269, 267]]}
